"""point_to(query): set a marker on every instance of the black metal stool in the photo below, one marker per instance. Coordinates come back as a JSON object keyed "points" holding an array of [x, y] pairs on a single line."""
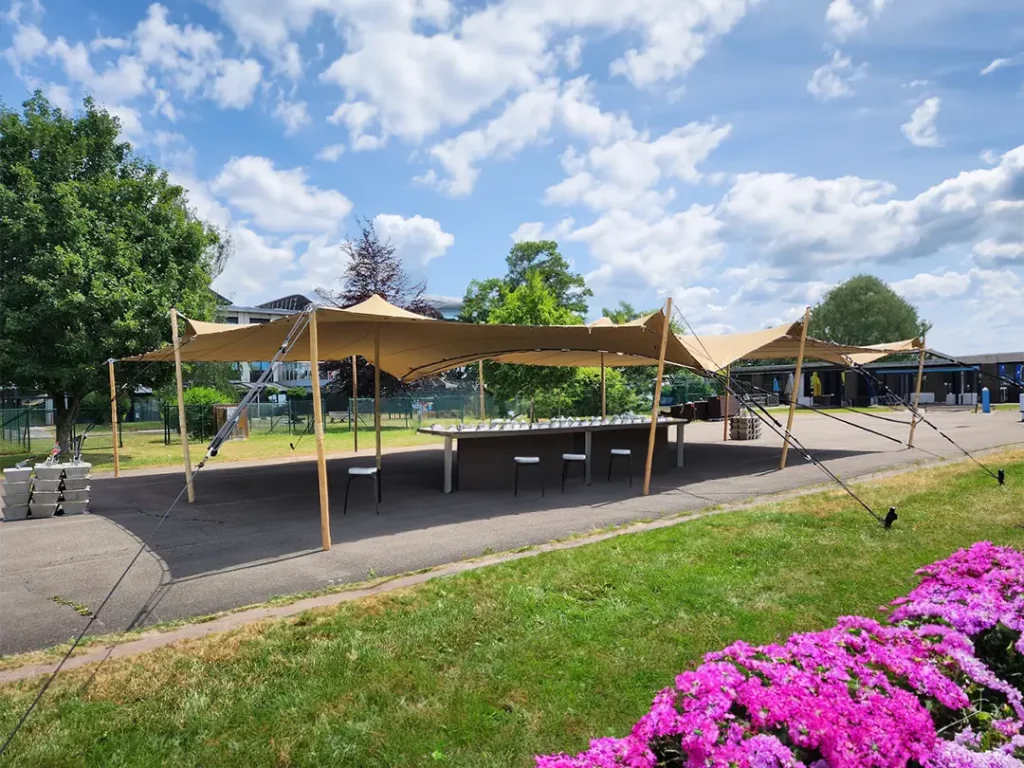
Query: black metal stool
{"points": [[370, 472], [629, 458], [570, 458], [527, 461]]}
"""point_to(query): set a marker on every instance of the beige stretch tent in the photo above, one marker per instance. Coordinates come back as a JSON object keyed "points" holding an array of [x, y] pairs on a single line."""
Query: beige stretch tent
{"points": [[410, 346], [413, 346], [716, 353]]}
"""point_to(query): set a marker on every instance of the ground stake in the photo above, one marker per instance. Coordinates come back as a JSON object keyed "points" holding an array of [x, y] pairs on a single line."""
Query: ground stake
{"points": [[891, 518]]}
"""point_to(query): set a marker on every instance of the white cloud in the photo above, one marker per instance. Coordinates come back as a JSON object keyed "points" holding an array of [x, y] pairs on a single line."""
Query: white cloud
{"points": [[800, 222], [920, 128], [917, 84], [188, 56], [157, 58], [847, 18], [535, 230], [28, 42], [236, 84], [997, 64], [256, 261], [626, 173], [331, 153], [280, 200], [358, 116], [989, 157], [59, 96], [993, 253], [639, 252], [131, 123], [293, 114], [423, 79], [572, 52], [417, 240], [948, 285], [832, 79], [528, 119]]}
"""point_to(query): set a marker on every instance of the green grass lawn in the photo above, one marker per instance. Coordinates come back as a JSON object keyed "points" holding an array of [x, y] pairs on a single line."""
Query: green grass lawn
{"points": [[144, 445], [540, 654]]}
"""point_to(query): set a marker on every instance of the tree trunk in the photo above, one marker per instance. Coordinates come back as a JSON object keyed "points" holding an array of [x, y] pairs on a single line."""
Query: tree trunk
{"points": [[66, 414]]}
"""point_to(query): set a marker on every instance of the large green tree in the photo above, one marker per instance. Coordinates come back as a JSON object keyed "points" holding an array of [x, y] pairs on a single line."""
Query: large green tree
{"points": [[864, 310], [96, 246], [541, 258], [532, 303]]}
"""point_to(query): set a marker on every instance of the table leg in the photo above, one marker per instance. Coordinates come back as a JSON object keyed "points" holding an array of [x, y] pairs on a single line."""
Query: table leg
{"points": [[680, 442], [587, 451], [448, 464]]}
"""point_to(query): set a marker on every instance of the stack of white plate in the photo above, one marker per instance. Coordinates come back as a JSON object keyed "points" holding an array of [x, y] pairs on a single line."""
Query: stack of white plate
{"points": [[16, 488]]}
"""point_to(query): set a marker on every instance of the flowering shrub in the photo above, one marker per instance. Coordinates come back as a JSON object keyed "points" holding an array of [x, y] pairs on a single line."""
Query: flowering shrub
{"points": [[980, 592], [860, 695]]}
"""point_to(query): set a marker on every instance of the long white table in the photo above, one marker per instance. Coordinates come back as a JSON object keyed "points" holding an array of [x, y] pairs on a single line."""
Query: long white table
{"points": [[509, 432]]}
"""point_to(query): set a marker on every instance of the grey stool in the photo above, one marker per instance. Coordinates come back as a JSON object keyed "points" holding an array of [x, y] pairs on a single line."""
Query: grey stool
{"points": [[629, 459], [527, 461], [370, 472], [570, 458]]}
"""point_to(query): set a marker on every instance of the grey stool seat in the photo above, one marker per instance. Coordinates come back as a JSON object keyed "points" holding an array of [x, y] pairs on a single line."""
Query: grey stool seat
{"points": [[370, 472], [569, 458], [527, 461], [624, 452]]}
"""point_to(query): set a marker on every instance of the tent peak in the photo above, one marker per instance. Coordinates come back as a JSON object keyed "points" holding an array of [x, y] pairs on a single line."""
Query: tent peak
{"points": [[377, 306]]}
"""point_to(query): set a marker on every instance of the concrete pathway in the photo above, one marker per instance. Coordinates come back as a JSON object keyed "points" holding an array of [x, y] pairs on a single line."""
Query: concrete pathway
{"points": [[254, 531]]}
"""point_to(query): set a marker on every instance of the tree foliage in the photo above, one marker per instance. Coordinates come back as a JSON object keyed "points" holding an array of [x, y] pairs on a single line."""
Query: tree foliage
{"points": [[373, 267], [541, 258], [864, 310], [532, 303], [97, 246]]}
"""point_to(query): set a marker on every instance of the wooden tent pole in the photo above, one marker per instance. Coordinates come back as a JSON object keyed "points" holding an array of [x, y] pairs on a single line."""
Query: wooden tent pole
{"points": [[917, 393], [481, 369], [604, 408], [113, 418], [796, 387], [355, 407], [376, 391], [725, 405], [318, 430], [657, 398], [182, 426]]}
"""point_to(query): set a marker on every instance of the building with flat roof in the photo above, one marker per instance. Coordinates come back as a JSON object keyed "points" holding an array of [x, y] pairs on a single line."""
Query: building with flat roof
{"points": [[944, 382]]}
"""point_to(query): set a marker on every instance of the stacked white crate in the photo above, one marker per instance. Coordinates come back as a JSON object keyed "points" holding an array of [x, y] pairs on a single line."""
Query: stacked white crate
{"points": [[63, 487], [46, 490], [745, 426], [17, 487], [74, 498]]}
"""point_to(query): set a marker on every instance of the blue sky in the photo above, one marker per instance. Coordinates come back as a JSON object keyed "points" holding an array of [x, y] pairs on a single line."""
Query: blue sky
{"points": [[741, 156]]}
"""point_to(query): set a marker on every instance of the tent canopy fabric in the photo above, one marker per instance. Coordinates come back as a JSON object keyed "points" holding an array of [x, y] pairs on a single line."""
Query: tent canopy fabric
{"points": [[716, 353], [884, 350], [413, 346]]}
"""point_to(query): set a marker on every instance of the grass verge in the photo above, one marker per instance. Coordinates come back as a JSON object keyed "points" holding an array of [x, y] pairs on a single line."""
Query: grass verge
{"points": [[538, 654]]}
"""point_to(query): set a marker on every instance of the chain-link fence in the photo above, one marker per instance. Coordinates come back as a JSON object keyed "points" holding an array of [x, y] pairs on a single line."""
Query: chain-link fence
{"points": [[33, 431]]}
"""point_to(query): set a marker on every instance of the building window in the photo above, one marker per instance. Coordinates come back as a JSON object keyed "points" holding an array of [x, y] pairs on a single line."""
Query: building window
{"points": [[295, 371]]}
